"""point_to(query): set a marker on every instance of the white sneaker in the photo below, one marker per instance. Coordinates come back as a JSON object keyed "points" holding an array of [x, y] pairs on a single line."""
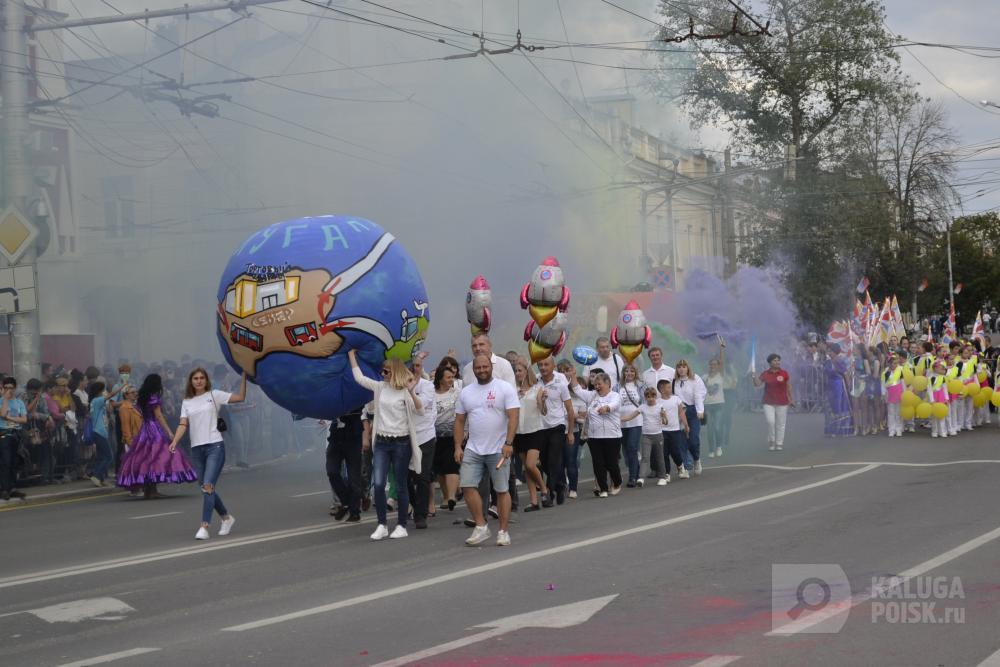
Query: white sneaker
{"points": [[572, 494], [202, 534], [503, 538], [227, 525], [718, 452], [711, 454], [778, 447], [683, 474], [380, 533], [770, 446], [479, 535], [697, 467], [934, 435], [615, 490], [640, 483], [602, 494], [398, 532], [663, 481]]}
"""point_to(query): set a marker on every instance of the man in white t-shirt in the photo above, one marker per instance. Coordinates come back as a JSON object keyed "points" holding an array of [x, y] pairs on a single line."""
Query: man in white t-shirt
{"points": [[502, 370], [420, 483], [658, 370], [491, 408], [612, 364], [557, 423]]}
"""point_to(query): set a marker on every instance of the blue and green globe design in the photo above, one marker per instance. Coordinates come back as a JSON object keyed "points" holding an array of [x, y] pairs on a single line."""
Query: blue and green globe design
{"points": [[298, 294]]}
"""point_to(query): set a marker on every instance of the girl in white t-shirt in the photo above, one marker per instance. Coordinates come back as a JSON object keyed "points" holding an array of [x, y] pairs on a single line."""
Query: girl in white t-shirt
{"points": [[200, 417], [675, 426], [652, 441]]}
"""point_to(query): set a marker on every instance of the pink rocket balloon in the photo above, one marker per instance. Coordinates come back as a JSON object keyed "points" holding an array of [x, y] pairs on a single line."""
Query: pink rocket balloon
{"points": [[546, 293], [547, 340], [631, 334], [478, 302]]}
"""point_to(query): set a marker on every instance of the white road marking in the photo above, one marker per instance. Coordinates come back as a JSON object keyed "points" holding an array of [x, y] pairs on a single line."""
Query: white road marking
{"points": [[717, 661], [830, 611], [80, 610], [535, 555], [153, 516], [110, 657], [992, 661], [563, 616], [902, 464], [313, 493]]}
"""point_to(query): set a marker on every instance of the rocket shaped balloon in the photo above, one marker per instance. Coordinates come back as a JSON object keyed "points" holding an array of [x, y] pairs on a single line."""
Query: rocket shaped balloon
{"points": [[545, 341], [546, 294], [631, 334], [478, 302]]}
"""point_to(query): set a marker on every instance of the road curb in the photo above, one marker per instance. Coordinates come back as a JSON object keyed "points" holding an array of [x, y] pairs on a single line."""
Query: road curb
{"points": [[70, 494]]}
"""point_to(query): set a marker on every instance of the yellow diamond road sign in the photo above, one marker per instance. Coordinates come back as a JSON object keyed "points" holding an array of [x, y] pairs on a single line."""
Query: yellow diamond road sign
{"points": [[17, 234]]}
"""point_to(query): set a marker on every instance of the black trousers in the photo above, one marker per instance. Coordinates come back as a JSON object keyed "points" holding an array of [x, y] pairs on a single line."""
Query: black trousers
{"points": [[605, 452], [344, 447], [420, 483], [8, 461], [551, 454]]}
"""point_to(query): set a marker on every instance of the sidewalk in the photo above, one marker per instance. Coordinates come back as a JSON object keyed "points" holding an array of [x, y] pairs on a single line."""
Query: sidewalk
{"points": [[55, 492]]}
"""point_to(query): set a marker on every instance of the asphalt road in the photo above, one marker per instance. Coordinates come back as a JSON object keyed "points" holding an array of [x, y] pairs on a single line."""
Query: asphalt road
{"points": [[682, 575]]}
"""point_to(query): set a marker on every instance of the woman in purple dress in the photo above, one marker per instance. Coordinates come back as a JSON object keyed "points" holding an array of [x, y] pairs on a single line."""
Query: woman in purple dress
{"points": [[838, 412], [149, 460]]}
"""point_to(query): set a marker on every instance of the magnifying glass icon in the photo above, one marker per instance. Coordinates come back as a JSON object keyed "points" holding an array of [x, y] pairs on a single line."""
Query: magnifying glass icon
{"points": [[800, 596]]}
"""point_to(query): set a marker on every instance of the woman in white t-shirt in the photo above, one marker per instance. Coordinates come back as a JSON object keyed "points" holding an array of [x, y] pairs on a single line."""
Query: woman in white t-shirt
{"points": [[605, 432], [200, 418], [394, 438], [528, 441], [715, 405], [631, 396]]}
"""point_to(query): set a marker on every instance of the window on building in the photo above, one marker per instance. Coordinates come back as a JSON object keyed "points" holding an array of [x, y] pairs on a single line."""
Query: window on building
{"points": [[269, 301], [119, 206]]}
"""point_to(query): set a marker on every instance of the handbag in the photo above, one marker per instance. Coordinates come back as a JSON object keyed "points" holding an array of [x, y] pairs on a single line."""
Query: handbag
{"points": [[220, 423]]}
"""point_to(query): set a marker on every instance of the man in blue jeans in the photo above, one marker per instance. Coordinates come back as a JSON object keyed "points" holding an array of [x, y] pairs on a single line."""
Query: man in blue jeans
{"points": [[13, 417], [490, 408], [344, 447]]}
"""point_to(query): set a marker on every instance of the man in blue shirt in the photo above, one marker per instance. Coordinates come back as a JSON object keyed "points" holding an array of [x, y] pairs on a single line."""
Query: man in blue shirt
{"points": [[13, 417]]}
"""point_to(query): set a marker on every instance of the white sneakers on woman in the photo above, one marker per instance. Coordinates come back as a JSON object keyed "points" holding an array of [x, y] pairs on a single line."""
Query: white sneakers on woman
{"points": [[382, 532], [398, 532], [227, 525], [202, 534]]}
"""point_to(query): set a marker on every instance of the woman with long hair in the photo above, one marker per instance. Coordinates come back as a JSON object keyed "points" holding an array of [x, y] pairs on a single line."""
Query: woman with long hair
{"points": [[200, 418], [445, 395], [394, 437], [838, 413], [631, 400], [860, 372], [151, 459], [528, 441], [690, 388], [717, 411]]}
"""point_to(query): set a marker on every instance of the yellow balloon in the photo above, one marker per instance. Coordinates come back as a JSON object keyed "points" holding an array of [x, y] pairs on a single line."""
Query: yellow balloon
{"points": [[907, 375], [919, 384], [939, 410], [979, 400], [955, 387], [971, 389], [987, 392], [907, 412], [910, 399], [923, 410], [995, 399]]}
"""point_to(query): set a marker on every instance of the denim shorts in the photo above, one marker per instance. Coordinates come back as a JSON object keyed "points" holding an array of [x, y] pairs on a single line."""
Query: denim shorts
{"points": [[474, 466]]}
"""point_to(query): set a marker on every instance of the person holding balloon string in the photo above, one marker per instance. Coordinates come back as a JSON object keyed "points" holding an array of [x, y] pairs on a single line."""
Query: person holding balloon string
{"points": [[937, 395], [954, 391], [631, 421], [892, 390], [573, 451], [604, 432], [967, 374], [528, 440]]}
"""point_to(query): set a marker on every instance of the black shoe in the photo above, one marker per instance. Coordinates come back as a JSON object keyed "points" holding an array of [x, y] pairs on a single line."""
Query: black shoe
{"points": [[420, 523], [339, 513], [630, 484], [547, 500], [354, 518], [470, 523], [493, 512], [451, 505], [560, 497], [366, 503], [17, 494], [532, 508]]}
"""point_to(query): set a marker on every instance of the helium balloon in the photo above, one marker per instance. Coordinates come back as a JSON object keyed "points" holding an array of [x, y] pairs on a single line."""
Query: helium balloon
{"points": [[907, 375], [910, 399], [478, 301], [995, 399], [979, 400], [907, 412], [955, 387], [297, 295], [545, 341], [924, 410], [919, 384], [584, 354], [971, 389], [546, 293], [939, 410], [987, 392], [631, 334]]}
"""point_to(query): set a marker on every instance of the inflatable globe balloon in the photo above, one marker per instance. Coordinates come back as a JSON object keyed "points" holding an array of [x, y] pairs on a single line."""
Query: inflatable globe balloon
{"points": [[584, 354], [297, 295]]}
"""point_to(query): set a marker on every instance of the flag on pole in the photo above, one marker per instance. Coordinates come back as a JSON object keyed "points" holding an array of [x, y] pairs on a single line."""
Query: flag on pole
{"points": [[923, 285], [950, 331], [753, 355], [856, 318], [863, 284], [978, 331], [898, 327], [958, 288], [930, 335], [868, 314], [839, 332]]}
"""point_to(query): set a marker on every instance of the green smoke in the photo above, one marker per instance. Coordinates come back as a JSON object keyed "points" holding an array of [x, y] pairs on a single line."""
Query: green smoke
{"points": [[674, 345]]}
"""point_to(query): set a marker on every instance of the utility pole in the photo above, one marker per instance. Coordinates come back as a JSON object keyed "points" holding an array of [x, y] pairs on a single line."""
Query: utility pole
{"points": [[25, 337], [951, 284]]}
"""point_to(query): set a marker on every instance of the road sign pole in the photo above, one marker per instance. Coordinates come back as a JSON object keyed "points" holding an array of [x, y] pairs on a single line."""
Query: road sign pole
{"points": [[25, 335]]}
